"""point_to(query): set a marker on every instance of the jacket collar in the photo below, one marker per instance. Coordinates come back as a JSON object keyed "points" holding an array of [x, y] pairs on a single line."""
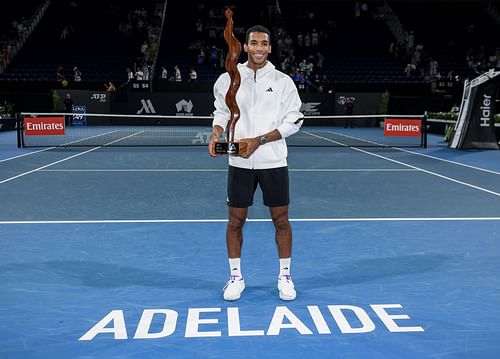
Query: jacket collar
{"points": [[248, 72]]}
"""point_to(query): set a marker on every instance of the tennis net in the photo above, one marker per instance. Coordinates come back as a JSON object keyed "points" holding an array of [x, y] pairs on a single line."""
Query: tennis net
{"points": [[60, 129]]}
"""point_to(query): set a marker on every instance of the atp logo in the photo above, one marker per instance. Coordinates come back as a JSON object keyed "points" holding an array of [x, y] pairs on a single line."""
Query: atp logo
{"points": [[147, 107], [310, 108], [202, 137], [184, 108], [101, 97]]}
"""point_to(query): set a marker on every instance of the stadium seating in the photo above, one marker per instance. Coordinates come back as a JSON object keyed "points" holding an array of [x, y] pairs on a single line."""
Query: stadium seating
{"points": [[355, 48]]}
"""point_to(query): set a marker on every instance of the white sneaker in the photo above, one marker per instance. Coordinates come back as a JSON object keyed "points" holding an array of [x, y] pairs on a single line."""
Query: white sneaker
{"points": [[234, 287], [286, 288]]}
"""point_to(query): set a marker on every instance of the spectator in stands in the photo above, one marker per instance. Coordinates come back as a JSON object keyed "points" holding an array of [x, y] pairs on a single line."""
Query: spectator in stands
{"points": [[146, 71], [265, 122], [314, 38], [213, 56], [68, 108], [201, 56], [317, 84], [320, 59], [5, 54], [60, 74], [199, 26], [300, 39], [349, 108], [177, 72], [326, 85], [164, 73], [65, 33], [130, 74], [110, 87], [433, 67], [77, 74], [410, 43], [410, 70], [139, 75], [193, 75], [307, 39], [299, 80], [144, 48], [357, 9]]}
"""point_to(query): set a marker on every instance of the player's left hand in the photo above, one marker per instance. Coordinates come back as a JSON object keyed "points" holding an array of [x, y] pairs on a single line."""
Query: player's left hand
{"points": [[248, 146]]}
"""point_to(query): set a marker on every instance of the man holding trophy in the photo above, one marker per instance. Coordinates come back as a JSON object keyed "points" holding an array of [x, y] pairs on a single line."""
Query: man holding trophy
{"points": [[257, 107]]}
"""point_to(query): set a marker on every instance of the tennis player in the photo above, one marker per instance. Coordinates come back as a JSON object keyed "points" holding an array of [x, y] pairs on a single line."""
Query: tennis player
{"points": [[270, 111]]}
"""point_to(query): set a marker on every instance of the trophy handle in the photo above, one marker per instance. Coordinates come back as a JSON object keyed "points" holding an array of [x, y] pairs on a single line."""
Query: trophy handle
{"points": [[233, 55]]}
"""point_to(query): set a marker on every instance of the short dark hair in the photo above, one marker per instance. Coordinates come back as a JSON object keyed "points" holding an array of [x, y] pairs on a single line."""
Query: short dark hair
{"points": [[257, 28]]}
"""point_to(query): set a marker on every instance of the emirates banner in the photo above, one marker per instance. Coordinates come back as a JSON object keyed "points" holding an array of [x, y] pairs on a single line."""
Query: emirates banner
{"points": [[402, 127], [44, 126]]}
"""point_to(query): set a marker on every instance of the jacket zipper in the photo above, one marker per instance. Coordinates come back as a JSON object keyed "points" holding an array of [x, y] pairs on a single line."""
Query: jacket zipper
{"points": [[253, 105]]}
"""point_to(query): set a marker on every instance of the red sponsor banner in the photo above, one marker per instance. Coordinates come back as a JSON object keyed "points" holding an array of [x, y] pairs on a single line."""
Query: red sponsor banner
{"points": [[44, 126], [402, 127]]}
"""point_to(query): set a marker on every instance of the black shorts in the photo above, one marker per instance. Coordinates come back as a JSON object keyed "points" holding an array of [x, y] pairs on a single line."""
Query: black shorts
{"points": [[242, 183]]}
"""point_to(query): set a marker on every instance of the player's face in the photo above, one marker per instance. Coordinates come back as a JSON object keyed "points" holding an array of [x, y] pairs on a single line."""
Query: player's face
{"points": [[257, 48]]}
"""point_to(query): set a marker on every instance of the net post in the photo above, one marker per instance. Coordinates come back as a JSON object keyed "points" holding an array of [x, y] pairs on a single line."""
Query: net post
{"points": [[19, 130], [424, 130]]}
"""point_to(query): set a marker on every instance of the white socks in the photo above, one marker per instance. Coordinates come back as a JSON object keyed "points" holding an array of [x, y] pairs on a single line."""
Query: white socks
{"points": [[235, 267], [285, 266]]}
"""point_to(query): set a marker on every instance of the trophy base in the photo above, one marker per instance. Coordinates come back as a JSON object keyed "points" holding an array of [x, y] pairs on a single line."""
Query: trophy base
{"points": [[230, 148]]}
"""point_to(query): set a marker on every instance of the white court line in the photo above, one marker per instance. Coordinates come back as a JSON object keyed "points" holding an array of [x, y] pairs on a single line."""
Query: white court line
{"points": [[357, 138], [140, 170], [431, 173], [26, 154], [343, 135], [400, 149], [225, 170], [380, 219], [418, 168], [324, 138], [51, 148], [65, 159], [449, 161], [48, 165], [89, 138], [124, 138], [353, 170]]}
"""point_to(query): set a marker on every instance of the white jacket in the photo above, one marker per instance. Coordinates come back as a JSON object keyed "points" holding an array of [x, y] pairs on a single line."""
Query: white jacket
{"points": [[268, 100]]}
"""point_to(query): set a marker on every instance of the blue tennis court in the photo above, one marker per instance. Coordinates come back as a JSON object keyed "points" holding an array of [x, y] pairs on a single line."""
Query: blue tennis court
{"points": [[120, 253]]}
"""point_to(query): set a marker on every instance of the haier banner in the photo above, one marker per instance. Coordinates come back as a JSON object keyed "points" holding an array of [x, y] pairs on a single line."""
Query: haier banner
{"points": [[481, 127], [475, 127]]}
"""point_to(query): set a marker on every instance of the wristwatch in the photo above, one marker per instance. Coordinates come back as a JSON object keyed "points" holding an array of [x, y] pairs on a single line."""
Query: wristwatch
{"points": [[262, 140]]}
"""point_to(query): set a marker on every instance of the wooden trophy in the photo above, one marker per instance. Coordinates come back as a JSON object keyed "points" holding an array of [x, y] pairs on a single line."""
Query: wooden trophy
{"points": [[234, 49]]}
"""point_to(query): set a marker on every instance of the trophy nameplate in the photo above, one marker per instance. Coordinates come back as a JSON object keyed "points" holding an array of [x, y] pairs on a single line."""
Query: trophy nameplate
{"points": [[230, 148]]}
